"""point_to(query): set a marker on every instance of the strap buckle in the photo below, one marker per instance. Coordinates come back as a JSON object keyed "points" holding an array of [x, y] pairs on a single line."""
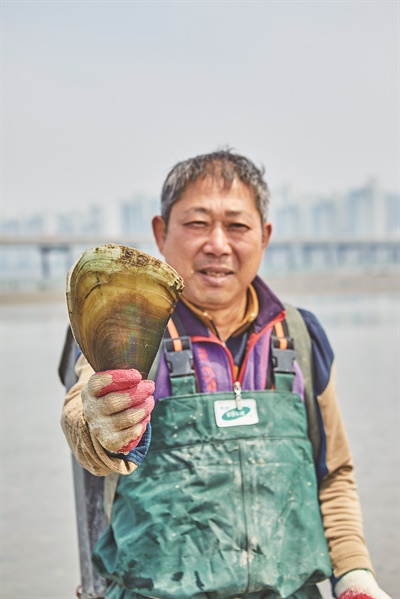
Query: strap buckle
{"points": [[180, 363], [282, 359]]}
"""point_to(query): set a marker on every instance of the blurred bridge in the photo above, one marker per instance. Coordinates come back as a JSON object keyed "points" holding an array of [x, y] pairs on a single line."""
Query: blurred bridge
{"points": [[306, 254], [288, 254], [69, 245]]}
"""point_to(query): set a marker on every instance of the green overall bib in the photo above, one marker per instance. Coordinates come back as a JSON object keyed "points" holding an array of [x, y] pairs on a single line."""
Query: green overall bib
{"points": [[225, 504]]}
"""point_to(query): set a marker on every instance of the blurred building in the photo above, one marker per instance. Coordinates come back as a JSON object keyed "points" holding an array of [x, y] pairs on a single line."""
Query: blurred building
{"points": [[363, 213], [89, 221], [136, 215], [34, 224], [77, 222]]}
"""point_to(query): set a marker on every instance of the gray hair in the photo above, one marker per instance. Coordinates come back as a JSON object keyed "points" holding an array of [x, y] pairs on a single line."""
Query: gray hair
{"points": [[222, 165]]}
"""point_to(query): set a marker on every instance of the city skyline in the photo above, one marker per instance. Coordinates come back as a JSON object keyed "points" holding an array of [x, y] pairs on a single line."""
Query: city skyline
{"points": [[367, 210]]}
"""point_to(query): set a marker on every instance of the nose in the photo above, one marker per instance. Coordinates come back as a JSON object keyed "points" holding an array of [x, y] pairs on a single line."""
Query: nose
{"points": [[217, 242]]}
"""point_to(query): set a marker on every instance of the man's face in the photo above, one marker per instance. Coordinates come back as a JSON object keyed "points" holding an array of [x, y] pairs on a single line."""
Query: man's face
{"points": [[215, 240]]}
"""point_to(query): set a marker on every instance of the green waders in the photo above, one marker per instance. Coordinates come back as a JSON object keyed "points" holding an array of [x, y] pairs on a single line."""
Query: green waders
{"points": [[225, 504]]}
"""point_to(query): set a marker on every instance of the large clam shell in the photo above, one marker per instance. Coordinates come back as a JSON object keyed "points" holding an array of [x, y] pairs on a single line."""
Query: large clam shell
{"points": [[119, 302]]}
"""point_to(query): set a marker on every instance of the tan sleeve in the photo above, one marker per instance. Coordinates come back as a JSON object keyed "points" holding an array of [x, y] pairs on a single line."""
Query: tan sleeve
{"points": [[340, 505], [87, 450]]}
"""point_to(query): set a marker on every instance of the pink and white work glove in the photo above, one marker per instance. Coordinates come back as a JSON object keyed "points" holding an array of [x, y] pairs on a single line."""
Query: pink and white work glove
{"points": [[117, 405], [359, 584]]}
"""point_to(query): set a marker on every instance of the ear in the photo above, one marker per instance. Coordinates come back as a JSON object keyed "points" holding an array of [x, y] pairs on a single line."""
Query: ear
{"points": [[267, 231], [159, 232]]}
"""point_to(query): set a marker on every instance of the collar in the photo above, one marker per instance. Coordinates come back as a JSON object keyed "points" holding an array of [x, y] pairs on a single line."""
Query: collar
{"points": [[269, 308], [251, 313]]}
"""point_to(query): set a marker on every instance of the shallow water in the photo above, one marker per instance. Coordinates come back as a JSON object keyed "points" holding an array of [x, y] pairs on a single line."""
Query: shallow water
{"points": [[39, 547]]}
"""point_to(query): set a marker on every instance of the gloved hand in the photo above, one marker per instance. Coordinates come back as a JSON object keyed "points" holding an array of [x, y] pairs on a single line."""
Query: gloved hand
{"points": [[359, 584], [116, 406]]}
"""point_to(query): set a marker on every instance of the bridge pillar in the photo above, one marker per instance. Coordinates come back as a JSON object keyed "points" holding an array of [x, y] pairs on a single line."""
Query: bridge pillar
{"points": [[45, 261], [45, 252]]}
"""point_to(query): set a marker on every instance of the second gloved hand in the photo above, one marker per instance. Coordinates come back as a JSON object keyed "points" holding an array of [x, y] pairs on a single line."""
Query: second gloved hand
{"points": [[116, 406], [359, 584]]}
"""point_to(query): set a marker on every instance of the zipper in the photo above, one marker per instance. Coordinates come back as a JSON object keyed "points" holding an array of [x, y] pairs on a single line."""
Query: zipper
{"points": [[237, 389], [253, 340], [222, 344]]}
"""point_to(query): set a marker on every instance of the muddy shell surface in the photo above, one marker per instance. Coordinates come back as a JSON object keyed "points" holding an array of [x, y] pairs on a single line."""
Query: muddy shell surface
{"points": [[119, 302]]}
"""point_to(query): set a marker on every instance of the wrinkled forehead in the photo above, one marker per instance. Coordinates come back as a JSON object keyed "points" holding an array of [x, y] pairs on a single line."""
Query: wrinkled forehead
{"points": [[215, 186], [211, 196]]}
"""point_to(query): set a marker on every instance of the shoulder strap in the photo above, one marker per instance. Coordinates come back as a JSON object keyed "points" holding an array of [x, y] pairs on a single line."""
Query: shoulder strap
{"points": [[303, 347], [282, 357], [110, 487], [66, 368], [179, 357]]}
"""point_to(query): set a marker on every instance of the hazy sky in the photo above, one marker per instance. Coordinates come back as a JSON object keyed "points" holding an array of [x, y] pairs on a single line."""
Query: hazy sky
{"points": [[100, 99]]}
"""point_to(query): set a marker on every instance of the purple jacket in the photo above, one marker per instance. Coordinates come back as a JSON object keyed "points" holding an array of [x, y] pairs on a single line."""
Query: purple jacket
{"points": [[213, 362]]}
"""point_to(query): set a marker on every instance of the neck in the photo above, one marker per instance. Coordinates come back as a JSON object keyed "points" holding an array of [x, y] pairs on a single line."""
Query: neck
{"points": [[224, 320], [227, 321]]}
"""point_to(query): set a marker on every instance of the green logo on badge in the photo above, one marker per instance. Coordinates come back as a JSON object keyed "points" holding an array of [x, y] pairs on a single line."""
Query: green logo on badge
{"points": [[235, 413]]}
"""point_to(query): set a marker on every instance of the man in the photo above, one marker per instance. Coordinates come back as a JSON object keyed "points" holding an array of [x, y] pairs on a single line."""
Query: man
{"points": [[229, 501]]}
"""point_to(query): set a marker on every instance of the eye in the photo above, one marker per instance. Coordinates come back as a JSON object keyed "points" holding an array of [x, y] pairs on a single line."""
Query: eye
{"points": [[196, 224], [240, 227]]}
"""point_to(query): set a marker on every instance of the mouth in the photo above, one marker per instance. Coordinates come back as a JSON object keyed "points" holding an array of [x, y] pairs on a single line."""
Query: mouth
{"points": [[215, 273]]}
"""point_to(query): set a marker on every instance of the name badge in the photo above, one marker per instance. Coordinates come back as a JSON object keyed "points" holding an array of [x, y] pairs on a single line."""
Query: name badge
{"points": [[228, 414]]}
